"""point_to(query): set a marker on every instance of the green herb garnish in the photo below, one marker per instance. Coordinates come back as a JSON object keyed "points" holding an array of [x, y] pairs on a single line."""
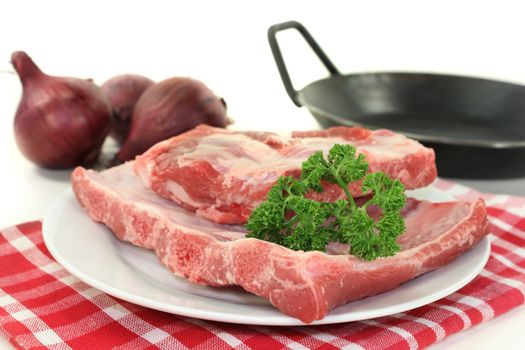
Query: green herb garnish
{"points": [[289, 219]]}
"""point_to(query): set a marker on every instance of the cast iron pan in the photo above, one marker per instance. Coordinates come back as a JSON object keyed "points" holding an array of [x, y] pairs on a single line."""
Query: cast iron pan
{"points": [[476, 126]]}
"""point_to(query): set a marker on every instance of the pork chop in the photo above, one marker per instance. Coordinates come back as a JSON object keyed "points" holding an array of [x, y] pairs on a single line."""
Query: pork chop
{"points": [[305, 285]]}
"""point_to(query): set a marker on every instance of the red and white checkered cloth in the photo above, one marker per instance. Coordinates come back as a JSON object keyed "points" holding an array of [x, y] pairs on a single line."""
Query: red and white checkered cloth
{"points": [[42, 306]]}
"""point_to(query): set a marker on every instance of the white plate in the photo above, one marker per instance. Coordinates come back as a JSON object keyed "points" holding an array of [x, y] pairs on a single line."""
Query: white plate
{"points": [[90, 252]]}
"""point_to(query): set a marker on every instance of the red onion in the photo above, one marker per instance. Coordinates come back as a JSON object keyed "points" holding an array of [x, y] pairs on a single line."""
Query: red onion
{"points": [[60, 122], [122, 93], [169, 108]]}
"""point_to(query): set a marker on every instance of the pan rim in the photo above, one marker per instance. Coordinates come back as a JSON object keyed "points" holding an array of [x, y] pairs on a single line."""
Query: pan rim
{"points": [[423, 73]]}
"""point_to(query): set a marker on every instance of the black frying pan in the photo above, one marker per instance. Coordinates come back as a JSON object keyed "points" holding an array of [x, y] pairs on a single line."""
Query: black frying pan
{"points": [[476, 126]]}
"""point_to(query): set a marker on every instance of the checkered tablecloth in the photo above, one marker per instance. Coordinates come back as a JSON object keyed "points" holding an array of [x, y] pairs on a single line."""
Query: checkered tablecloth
{"points": [[42, 306]]}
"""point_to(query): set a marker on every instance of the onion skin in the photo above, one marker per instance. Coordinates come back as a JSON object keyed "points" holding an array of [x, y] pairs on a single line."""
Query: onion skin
{"points": [[169, 108], [122, 93], [60, 122]]}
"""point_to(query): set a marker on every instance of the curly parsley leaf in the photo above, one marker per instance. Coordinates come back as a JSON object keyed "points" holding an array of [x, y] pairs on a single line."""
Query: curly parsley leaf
{"points": [[345, 164], [314, 169], [388, 194]]}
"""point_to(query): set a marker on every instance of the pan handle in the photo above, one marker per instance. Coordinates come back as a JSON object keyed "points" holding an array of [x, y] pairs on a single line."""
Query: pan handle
{"points": [[281, 66]]}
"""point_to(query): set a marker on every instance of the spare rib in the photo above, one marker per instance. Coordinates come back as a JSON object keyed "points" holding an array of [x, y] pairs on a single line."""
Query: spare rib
{"points": [[223, 175], [305, 285]]}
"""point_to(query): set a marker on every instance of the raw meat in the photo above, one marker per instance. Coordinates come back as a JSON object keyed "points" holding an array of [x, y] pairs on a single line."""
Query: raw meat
{"points": [[223, 175], [305, 285]]}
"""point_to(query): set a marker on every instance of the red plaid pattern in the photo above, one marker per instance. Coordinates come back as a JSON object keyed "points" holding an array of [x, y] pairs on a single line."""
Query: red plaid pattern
{"points": [[42, 306]]}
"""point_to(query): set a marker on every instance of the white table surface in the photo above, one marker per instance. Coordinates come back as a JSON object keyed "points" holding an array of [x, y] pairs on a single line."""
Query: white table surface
{"points": [[224, 44]]}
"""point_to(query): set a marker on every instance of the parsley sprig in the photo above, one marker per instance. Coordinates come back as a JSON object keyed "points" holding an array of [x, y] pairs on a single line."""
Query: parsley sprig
{"points": [[289, 219]]}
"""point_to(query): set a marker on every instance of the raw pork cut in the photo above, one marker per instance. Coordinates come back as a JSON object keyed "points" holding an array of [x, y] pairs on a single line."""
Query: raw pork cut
{"points": [[305, 285], [223, 175]]}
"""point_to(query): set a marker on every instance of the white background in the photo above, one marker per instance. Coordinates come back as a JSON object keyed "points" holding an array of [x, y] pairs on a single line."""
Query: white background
{"points": [[223, 43]]}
